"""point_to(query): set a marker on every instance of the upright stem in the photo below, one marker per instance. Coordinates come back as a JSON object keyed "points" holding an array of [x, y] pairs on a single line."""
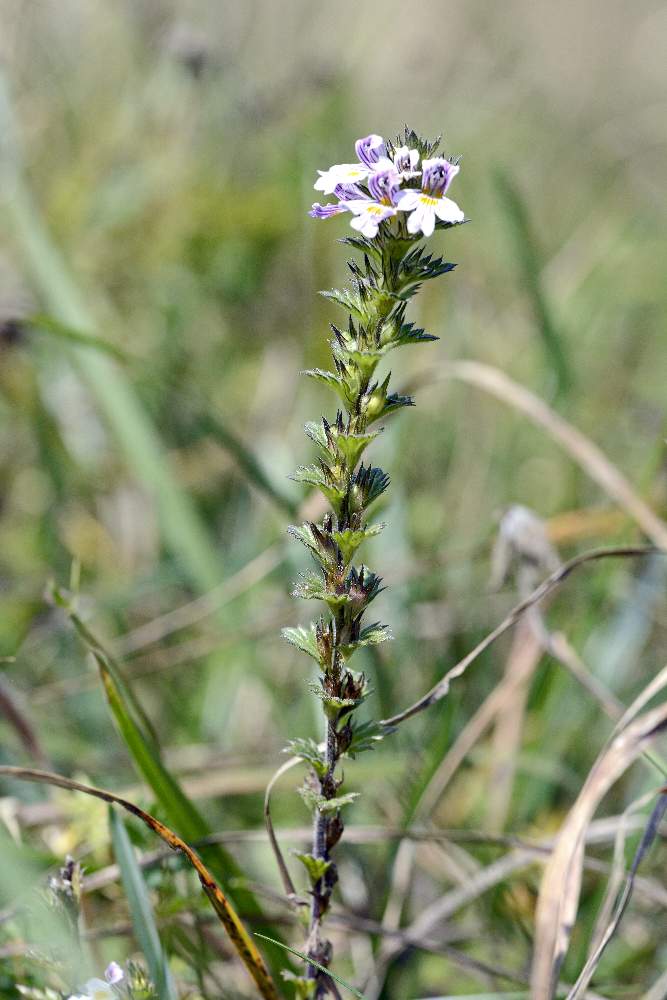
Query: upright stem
{"points": [[391, 270], [321, 851]]}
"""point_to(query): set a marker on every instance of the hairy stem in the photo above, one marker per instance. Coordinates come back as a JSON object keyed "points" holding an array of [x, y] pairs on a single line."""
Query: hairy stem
{"points": [[391, 269], [322, 890]]}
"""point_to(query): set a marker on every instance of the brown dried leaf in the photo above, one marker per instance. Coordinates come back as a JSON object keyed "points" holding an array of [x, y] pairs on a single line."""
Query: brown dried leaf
{"points": [[561, 884]]}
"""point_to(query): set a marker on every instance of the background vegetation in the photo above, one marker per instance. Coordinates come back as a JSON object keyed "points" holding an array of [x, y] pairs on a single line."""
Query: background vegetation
{"points": [[151, 412]]}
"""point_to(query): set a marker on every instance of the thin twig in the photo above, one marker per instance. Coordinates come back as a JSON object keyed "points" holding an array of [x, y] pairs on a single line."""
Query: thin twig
{"points": [[288, 884], [441, 689], [201, 607]]}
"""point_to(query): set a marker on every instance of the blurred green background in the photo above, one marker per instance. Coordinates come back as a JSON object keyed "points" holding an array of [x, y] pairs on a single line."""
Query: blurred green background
{"points": [[169, 150]]}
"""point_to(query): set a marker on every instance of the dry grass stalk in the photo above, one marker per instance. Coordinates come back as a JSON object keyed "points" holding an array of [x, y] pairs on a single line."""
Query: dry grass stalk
{"points": [[561, 883]]}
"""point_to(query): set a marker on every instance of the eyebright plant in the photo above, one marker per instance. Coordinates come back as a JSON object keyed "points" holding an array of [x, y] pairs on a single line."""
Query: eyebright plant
{"points": [[396, 194]]}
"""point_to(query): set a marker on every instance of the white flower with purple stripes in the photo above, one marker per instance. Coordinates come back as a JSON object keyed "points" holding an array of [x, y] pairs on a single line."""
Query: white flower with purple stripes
{"points": [[369, 212], [386, 182], [372, 154], [430, 203], [406, 162]]}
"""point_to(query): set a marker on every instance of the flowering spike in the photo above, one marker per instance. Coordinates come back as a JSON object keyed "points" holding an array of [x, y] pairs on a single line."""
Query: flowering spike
{"points": [[394, 194]]}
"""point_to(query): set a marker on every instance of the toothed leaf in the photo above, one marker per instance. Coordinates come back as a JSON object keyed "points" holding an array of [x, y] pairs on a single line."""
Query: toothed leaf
{"points": [[309, 751], [349, 540], [372, 635], [366, 736], [316, 867], [304, 639], [344, 298], [316, 801]]}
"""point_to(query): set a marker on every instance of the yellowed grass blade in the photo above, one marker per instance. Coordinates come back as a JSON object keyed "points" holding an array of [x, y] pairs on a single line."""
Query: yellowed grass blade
{"points": [[238, 935]]}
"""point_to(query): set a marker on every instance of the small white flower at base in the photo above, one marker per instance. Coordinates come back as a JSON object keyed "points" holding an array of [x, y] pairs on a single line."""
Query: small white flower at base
{"points": [[96, 989], [102, 989], [113, 973]]}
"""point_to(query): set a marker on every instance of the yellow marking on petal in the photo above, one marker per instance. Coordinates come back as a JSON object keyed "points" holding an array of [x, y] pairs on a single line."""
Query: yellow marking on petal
{"points": [[427, 199]]}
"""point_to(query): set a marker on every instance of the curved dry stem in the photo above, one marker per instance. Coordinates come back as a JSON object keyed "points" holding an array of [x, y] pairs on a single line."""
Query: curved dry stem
{"points": [[580, 448], [288, 884], [441, 689]]}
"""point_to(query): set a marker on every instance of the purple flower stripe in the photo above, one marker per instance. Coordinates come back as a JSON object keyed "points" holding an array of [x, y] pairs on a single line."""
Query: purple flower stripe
{"points": [[326, 211], [370, 149], [438, 175], [384, 186], [349, 192]]}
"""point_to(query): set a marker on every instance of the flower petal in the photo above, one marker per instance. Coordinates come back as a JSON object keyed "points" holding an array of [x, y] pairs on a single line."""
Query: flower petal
{"points": [[348, 192], [366, 225], [438, 174], [358, 205], [448, 211], [370, 149], [97, 989], [340, 173], [326, 211], [423, 217], [408, 200], [113, 973]]}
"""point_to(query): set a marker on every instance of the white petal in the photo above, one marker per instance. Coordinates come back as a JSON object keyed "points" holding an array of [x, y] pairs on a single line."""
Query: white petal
{"points": [[423, 218], [408, 200], [366, 225], [357, 205], [428, 223], [384, 163], [340, 173], [97, 989], [414, 221], [448, 210], [325, 184]]}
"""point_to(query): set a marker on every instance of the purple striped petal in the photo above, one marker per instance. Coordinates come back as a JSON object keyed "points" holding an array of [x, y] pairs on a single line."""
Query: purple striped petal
{"points": [[326, 211], [438, 175], [370, 149]]}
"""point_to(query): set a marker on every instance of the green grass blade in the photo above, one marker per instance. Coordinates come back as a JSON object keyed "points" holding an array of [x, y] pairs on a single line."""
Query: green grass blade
{"points": [[47, 324], [211, 424], [141, 911], [322, 968], [529, 262], [180, 811], [182, 814], [183, 531]]}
